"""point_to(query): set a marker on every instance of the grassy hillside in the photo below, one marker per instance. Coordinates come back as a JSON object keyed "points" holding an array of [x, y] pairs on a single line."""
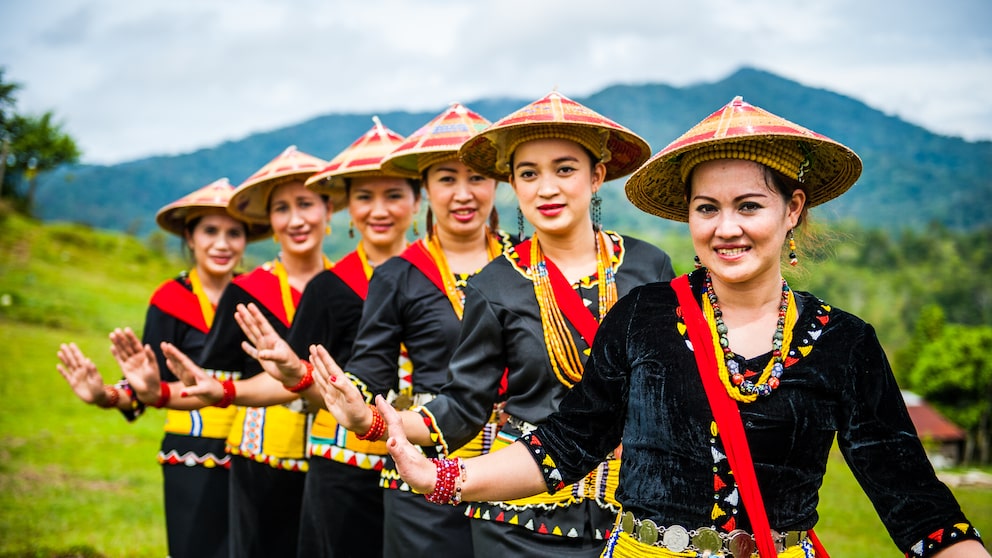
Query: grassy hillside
{"points": [[79, 481]]}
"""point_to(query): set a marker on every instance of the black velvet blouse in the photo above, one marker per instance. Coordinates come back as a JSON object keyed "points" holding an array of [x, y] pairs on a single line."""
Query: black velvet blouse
{"points": [[641, 385]]}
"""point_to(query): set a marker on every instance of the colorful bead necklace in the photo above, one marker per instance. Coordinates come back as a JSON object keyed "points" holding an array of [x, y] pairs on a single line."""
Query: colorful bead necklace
{"points": [[455, 295], [737, 384], [562, 352]]}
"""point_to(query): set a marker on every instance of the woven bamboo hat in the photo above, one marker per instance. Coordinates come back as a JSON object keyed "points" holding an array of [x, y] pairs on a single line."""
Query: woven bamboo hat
{"points": [[436, 141], [555, 116], [216, 195], [743, 131], [250, 200], [363, 158]]}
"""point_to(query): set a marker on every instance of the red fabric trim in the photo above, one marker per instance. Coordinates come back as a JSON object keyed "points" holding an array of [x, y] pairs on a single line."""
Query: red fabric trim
{"points": [[263, 284], [569, 301], [420, 257], [352, 272], [177, 300]]}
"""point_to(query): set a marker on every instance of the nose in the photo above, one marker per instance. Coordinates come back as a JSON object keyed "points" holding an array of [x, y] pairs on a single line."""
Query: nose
{"points": [[547, 186], [462, 192], [728, 225]]}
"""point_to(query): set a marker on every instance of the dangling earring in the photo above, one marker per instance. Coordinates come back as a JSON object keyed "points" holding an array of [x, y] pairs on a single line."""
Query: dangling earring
{"points": [[416, 229], [275, 238], [597, 216], [520, 223], [327, 229], [494, 221], [696, 262], [351, 229], [793, 260]]}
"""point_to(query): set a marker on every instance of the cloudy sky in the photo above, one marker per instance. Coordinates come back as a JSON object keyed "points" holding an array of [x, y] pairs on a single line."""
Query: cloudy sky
{"points": [[135, 78]]}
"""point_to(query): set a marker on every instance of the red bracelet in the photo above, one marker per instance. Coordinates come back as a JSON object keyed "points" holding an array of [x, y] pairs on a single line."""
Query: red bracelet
{"points": [[377, 429], [306, 381], [113, 396], [447, 488], [164, 394], [229, 394]]}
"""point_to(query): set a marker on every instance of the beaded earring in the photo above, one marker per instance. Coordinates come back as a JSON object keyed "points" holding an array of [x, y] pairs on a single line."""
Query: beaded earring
{"points": [[793, 260], [327, 229], [696, 262], [520, 223], [416, 229], [351, 229], [275, 238], [597, 216]]}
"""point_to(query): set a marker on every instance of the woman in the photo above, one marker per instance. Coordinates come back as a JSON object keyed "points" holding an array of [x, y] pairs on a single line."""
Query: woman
{"points": [[533, 314], [416, 302], [726, 381], [181, 311], [267, 440]]}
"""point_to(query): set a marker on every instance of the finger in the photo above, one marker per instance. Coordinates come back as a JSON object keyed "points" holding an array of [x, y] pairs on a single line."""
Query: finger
{"points": [[250, 350], [247, 324], [394, 423]]}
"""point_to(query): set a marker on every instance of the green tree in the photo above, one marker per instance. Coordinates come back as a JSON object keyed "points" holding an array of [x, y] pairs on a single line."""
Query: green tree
{"points": [[954, 374], [929, 327], [29, 145]]}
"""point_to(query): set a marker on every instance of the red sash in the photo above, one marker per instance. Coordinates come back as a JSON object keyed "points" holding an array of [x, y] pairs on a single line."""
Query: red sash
{"points": [[418, 255], [263, 284], [569, 301], [728, 420], [175, 299], [352, 272]]}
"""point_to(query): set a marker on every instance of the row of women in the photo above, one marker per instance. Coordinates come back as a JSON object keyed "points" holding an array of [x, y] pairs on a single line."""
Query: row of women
{"points": [[562, 395]]}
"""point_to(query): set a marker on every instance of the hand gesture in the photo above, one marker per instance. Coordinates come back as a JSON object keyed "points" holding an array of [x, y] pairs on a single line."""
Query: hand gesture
{"points": [[138, 363], [198, 383], [418, 471], [341, 397], [81, 374], [266, 346]]}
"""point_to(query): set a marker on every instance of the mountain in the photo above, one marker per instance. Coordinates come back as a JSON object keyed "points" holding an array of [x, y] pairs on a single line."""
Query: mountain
{"points": [[913, 178]]}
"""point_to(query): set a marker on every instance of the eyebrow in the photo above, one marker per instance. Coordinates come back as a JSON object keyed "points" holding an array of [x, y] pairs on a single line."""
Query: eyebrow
{"points": [[737, 199], [563, 159]]}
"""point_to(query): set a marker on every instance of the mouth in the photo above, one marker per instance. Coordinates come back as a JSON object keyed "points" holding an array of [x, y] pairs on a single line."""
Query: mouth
{"points": [[731, 253], [299, 237], [464, 215], [551, 209], [380, 227], [221, 260]]}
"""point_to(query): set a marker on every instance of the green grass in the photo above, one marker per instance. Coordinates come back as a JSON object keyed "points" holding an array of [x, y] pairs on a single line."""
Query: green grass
{"points": [[76, 481]]}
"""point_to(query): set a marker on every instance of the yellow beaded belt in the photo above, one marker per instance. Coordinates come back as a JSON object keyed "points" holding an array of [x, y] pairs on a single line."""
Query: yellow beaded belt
{"points": [[705, 540]]}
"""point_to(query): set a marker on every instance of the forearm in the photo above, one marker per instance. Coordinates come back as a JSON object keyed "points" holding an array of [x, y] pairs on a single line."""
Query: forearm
{"points": [[503, 475], [963, 549], [262, 390]]}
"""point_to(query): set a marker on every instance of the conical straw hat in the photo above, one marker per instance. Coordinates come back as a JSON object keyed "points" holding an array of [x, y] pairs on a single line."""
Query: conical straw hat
{"points": [[216, 195], [363, 158], [743, 131], [555, 116], [250, 200], [436, 141]]}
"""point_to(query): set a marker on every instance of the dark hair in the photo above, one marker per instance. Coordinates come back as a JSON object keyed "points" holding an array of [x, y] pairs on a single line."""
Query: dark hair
{"points": [[414, 184]]}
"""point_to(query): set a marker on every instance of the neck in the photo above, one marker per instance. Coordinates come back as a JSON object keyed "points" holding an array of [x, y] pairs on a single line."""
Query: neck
{"points": [[213, 284], [301, 268], [379, 253], [465, 253], [754, 295], [574, 252]]}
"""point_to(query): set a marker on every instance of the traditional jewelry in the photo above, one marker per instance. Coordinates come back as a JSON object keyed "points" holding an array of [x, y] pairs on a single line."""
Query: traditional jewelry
{"points": [[307, 379], [377, 428], [230, 392], [164, 394], [451, 474], [286, 291], [738, 385], [455, 295], [113, 397], [562, 352], [206, 307], [793, 260]]}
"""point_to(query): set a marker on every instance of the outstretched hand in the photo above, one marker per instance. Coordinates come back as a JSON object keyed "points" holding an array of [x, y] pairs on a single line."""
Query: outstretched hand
{"points": [[81, 374], [198, 383], [138, 364], [341, 397], [266, 346], [418, 471]]}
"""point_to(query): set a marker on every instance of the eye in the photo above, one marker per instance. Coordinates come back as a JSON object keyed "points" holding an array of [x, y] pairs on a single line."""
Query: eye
{"points": [[279, 207], [750, 207], [526, 174], [566, 169], [705, 209], [477, 178], [446, 179]]}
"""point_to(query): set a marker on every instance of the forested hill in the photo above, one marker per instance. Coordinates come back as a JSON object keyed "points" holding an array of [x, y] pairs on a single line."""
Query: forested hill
{"points": [[913, 178]]}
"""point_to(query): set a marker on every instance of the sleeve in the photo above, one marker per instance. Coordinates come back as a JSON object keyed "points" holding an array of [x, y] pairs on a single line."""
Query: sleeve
{"points": [[328, 313], [589, 423], [466, 402], [380, 332], [880, 445]]}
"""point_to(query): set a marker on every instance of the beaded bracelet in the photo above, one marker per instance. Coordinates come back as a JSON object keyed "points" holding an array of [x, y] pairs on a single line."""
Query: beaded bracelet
{"points": [[229, 394], [447, 488], [164, 394], [378, 428], [113, 396], [306, 381]]}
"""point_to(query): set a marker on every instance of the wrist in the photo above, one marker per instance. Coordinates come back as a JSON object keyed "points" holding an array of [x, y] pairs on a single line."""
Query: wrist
{"points": [[111, 396], [164, 394], [377, 426], [230, 392], [305, 379]]}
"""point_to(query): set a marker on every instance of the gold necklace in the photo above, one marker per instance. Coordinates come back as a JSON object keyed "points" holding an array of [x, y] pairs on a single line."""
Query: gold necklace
{"points": [[455, 295], [558, 339], [206, 307]]}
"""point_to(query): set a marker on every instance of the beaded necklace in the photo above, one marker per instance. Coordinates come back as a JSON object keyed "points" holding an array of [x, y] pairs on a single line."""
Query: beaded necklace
{"points": [[738, 386], [455, 295], [562, 352]]}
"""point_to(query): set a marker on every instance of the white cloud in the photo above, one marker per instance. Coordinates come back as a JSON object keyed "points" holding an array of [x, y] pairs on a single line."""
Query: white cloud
{"points": [[131, 79]]}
